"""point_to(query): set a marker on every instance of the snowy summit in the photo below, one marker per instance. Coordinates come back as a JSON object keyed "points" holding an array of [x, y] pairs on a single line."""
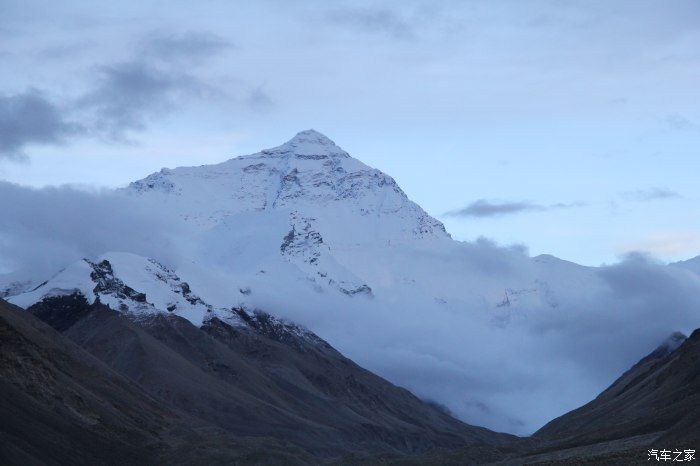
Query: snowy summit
{"points": [[309, 144]]}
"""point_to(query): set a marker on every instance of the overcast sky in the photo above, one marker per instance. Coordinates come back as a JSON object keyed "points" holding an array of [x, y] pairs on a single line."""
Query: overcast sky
{"points": [[572, 127]]}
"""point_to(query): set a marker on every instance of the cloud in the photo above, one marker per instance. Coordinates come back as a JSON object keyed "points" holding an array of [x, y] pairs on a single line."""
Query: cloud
{"points": [[128, 94], [31, 118], [43, 230], [652, 194], [680, 123], [188, 46], [123, 98], [558, 343], [566, 334], [483, 208], [374, 20], [667, 244]]}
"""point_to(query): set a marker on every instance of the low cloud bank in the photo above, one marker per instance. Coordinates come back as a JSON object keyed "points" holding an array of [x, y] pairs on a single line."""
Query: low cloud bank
{"points": [[518, 373], [43, 230]]}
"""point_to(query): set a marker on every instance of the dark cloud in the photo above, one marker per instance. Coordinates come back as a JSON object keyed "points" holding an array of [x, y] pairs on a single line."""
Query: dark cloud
{"points": [[159, 78], [187, 46], [31, 118], [484, 208], [128, 94], [125, 96], [384, 21], [652, 194]]}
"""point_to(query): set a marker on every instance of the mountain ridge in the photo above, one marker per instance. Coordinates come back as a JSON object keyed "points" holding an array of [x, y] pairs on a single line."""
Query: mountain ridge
{"points": [[309, 168], [266, 378]]}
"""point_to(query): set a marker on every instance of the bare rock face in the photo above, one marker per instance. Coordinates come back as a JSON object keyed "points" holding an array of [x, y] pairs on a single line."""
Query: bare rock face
{"points": [[60, 405]]}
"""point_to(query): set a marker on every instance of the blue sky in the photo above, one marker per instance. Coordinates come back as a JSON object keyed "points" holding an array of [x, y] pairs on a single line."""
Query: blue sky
{"points": [[571, 127]]}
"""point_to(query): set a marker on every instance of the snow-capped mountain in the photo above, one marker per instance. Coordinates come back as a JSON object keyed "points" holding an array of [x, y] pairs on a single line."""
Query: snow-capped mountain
{"points": [[308, 174], [320, 209], [341, 224], [307, 233], [304, 218]]}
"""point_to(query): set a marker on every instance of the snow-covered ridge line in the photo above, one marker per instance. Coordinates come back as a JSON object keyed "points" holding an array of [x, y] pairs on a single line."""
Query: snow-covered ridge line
{"points": [[137, 286], [308, 171], [125, 282]]}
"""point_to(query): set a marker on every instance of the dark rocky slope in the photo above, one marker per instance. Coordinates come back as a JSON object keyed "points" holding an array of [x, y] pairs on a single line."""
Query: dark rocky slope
{"points": [[117, 389], [657, 394], [654, 405], [264, 380], [61, 405]]}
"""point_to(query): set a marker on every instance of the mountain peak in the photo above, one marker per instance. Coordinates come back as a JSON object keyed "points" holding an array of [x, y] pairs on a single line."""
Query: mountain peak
{"points": [[308, 144], [310, 176], [312, 135], [673, 341], [668, 346]]}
